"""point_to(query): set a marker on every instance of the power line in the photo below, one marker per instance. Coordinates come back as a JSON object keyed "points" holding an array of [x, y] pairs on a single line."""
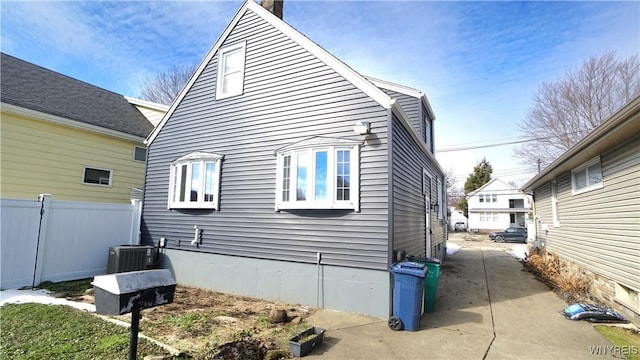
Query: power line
{"points": [[486, 146], [463, 146]]}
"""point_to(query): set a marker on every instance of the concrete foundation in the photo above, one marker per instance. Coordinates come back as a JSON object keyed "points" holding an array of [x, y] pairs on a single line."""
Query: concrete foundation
{"points": [[354, 290]]}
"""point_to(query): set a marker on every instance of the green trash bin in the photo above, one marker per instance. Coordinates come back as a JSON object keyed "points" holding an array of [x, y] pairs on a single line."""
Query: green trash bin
{"points": [[430, 281]]}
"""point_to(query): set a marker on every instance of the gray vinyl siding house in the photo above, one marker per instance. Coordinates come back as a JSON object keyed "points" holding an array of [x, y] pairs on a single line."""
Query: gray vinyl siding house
{"points": [[587, 208], [253, 232]]}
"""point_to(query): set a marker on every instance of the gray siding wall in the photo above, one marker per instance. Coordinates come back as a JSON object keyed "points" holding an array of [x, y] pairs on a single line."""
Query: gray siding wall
{"points": [[408, 201], [411, 106], [289, 95], [599, 229]]}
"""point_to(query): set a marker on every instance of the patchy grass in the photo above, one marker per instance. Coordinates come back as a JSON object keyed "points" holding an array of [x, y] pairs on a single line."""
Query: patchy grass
{"points": [[69, 288], [202, 323], [37, 331], [627, 340]]}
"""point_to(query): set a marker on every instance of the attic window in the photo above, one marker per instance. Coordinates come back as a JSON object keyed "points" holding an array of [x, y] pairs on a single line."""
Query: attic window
{"points": [[231, 71], [195, 181]]}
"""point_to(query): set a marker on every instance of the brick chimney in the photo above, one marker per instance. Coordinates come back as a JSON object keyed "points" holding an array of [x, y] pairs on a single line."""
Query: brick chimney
{"points": [[273, 6]]}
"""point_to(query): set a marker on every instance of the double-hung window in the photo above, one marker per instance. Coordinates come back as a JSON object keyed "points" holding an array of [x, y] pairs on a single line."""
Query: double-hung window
{"points": [[318, 174], [231, 61], [195, 181], [587, 177]]}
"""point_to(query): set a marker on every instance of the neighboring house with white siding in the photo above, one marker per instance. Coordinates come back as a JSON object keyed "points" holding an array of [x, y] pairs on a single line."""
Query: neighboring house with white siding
{"points": [[279, 172], [587, 208], [457, 216], [67, 138], [497, 205]]}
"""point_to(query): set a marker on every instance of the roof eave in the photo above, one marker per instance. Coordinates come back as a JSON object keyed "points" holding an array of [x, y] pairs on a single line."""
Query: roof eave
{"points": [[21, 111], [623, 124], [404, 90], [397, 109]]}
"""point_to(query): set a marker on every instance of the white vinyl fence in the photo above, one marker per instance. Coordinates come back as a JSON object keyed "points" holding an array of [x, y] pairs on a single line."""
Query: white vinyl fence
{"points": [[45, 240]]}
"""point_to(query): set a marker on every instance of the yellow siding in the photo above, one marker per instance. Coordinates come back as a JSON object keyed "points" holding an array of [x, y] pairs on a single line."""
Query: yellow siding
{"points": [[42, 157]]}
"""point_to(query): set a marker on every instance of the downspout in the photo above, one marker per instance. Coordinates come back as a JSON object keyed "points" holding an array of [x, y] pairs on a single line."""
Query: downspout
{"points": [[390, 242]]}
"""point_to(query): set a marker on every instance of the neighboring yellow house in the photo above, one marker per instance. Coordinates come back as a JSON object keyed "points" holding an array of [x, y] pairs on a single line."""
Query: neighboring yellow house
{"points": [[67, 138]]}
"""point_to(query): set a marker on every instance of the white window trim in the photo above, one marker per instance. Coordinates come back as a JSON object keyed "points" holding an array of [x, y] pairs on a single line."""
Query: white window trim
{"points": [[425, 176], [354, 191], [554, 203], [134, 153], [84, 170], [584, 166], [439, 184], [221, 56], [201, 158]]}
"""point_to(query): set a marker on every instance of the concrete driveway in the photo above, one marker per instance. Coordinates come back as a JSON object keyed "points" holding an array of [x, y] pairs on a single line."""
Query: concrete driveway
{"points": [[487, 308]]}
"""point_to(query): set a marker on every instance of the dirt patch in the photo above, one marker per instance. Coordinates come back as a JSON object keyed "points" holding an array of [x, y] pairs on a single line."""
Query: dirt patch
{"points": [[207, 324]]}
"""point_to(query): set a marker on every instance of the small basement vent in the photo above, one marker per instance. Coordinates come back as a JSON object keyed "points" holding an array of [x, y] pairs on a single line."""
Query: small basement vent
{"points": [[131, 258]]}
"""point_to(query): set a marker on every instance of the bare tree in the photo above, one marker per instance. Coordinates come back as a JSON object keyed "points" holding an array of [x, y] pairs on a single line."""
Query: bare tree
{"points": [[454, 193], [565, 111], [165, 87]]}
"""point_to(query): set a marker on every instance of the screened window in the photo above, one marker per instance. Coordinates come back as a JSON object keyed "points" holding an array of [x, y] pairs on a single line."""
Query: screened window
{"points": [[587, 177], [494, 197], [231, 62], [139, 153], [318, 177], [94, 176], [195, 181]]}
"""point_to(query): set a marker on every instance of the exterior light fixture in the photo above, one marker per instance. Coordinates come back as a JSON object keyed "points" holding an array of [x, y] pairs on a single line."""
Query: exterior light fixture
{"points": [[362, 127]]}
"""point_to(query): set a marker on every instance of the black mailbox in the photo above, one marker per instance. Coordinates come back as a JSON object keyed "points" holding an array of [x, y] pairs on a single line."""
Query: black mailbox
{"points": [[130, 292], [121, 293]]}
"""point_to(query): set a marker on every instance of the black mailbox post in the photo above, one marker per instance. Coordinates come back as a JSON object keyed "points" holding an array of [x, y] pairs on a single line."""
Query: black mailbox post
{"points": [[130, 292]]}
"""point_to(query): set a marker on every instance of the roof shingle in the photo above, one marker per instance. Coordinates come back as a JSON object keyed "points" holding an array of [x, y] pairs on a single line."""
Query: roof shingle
{"points": [[33, 87]]}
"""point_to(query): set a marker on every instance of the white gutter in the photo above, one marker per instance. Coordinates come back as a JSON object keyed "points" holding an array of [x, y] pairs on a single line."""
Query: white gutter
{"points": [[20, 111]]}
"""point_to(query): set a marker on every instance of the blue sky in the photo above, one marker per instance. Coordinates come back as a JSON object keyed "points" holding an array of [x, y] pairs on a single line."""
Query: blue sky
{"points": [[479, 62]]}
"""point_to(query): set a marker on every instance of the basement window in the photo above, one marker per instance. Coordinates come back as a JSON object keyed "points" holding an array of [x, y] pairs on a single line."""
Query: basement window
{"points": [[628, 297]]}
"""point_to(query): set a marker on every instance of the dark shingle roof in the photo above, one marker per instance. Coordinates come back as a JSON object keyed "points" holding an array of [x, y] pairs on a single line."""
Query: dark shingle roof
{"points": [[36, 88]]}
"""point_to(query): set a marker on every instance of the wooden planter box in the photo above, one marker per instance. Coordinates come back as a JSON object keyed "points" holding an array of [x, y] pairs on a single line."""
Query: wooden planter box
{"points": [[311, 338]]}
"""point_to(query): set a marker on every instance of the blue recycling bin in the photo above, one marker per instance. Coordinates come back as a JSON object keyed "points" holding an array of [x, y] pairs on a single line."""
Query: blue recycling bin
{"points": [[407, 295]]}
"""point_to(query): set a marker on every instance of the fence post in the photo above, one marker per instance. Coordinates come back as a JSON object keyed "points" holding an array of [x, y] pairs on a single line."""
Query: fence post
{"points": [[45, 200], [136, 219]]}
